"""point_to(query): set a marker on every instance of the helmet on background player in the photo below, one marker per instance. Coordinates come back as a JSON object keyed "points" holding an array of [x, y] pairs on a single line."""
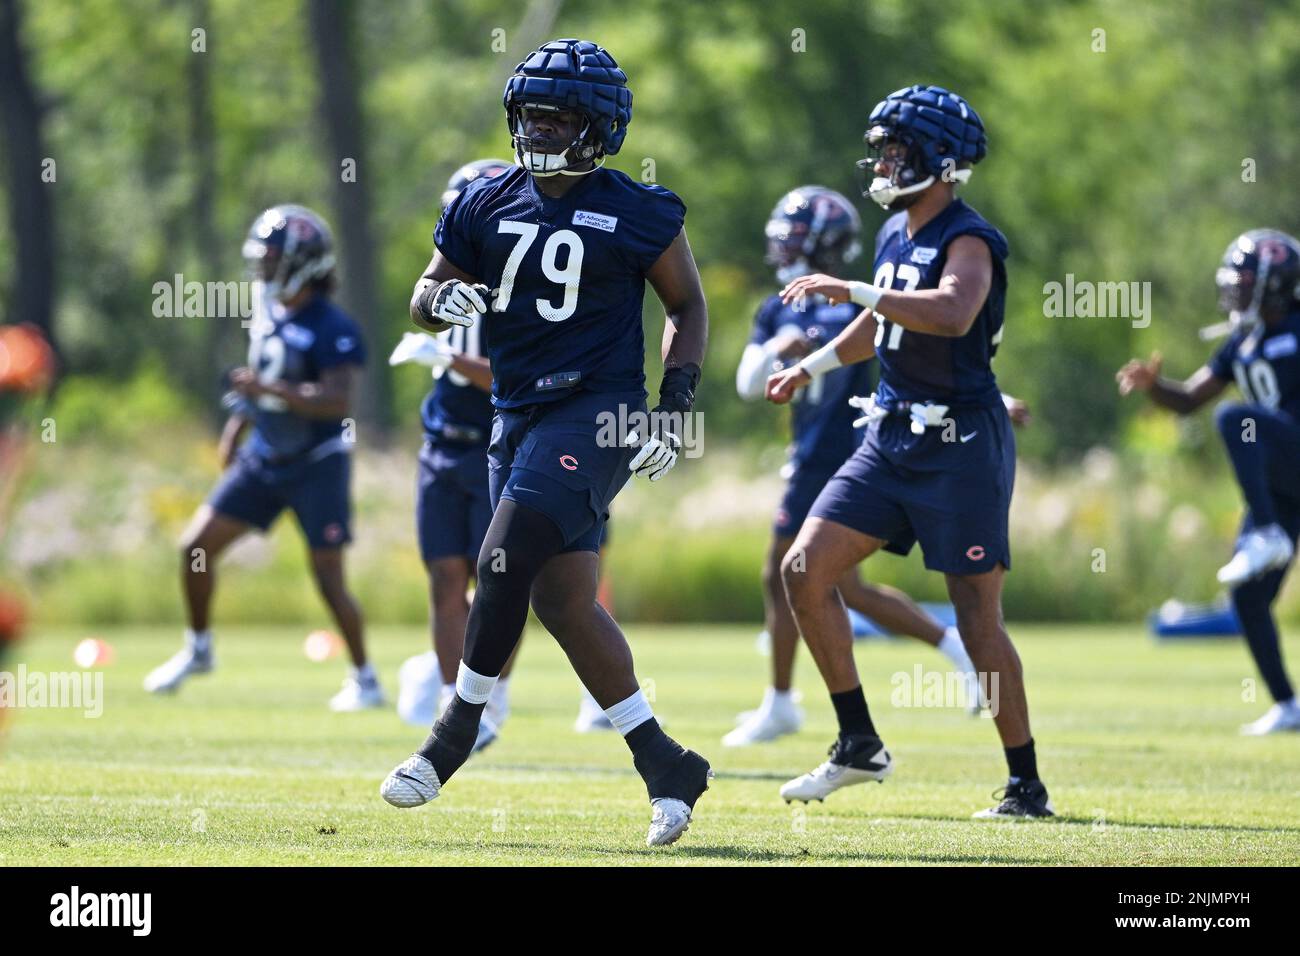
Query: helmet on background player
{"points": [[1260, 272], [812, 229], [925, 133], [491, 168], [288, 247], [562, 76]]}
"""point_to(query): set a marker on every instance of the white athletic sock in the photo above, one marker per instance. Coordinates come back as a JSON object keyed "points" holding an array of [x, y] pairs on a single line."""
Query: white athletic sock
{"points": [[952, 648], [629, 714], [365, 674], [774, 699], [200, 642], [474, 688]]}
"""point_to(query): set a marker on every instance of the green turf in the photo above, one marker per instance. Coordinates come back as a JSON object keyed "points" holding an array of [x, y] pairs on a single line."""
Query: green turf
{"points": [[246, 766]]}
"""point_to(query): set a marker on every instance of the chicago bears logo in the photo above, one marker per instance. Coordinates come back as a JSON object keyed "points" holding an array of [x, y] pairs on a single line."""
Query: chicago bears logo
{"points": [[975, 552], [333, 533], [568, 463]]}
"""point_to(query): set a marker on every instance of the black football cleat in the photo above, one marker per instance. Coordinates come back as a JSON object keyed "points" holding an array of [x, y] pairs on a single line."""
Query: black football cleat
{"points": [[1021, 799]]}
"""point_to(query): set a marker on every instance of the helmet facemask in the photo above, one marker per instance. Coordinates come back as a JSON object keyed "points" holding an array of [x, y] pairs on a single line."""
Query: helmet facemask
{"points": [[907, 173], [1241, 293], [279, 253], [538, 155], [786, 252]]}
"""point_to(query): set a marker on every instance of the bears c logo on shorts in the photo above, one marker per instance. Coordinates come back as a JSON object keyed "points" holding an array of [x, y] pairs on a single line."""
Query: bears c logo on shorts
{"points": [[568, 463], [975, 552], [334, 532]]}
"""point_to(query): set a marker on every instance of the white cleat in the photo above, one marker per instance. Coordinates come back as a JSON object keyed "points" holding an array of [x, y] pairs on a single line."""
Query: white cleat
{"points": [[413, 783], [419, 686], [1279, 719], [166, 678], [357, 695], [860, 761], [767, 723], [1258, 552], [591, 719], [671, 818]]}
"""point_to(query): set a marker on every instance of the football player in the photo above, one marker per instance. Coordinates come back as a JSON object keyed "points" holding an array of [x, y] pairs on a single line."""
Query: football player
{"points": [[815, 229], [551, 259], [1259, 288], [938, 460], [452, 509], [296, 392]]}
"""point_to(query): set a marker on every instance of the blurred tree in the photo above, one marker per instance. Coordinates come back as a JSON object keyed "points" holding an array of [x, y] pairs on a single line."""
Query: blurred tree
{"points": [[333, 35], [30, 209]]}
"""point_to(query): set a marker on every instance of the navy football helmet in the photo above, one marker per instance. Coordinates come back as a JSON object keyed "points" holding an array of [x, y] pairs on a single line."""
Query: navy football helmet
{"points": [[812, 229], [1260, 272], [922, 132], [491, 168], [568, 75], [287, 247]]}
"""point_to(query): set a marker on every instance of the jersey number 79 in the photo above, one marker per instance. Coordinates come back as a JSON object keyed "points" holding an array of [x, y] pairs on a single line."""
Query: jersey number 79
{"points": [[569, 276]]}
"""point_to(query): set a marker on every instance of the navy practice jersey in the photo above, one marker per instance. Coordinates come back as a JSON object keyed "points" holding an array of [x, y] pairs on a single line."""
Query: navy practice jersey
{"points": [[1265, 363], [917, 367], [568, 275], [297, 347], [821, 418], [455, 402]]}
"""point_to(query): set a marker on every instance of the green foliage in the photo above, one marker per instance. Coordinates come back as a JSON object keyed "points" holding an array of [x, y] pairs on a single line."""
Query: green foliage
{"points": [[1124, 164]]}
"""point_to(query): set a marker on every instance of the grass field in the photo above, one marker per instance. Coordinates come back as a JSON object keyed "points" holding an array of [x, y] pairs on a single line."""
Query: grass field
{"points": [[247, 766]]}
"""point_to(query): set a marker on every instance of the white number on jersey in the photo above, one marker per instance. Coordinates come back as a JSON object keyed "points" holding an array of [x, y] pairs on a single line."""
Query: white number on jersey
{"points": [[266, 355], [569, 276], [911, 276], [1258, 383]]}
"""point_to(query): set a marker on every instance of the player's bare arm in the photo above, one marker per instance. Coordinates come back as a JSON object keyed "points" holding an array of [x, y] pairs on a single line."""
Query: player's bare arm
{"points": [[855, 344], [436, 292], [948, 310], [330, 398], [233, 431], [1182, 397], [676, 281]]}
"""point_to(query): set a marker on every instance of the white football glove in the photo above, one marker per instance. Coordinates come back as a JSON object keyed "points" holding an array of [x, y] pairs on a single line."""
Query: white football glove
{"points": [[656, 456], [422, 349], [459, 302]]}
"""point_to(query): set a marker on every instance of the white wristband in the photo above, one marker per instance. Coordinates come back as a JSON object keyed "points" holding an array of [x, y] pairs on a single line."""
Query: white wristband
{"points": [[865, 294], [822, 361]]}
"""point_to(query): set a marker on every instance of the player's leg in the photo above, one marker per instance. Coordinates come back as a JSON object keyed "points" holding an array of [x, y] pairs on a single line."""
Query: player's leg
{"points": [[361, 688], [1253, 602], [320, 498], [565, 600], [1264, 447], [209, 533], [811, 569], [897, 613], [591, 716], [518, 544], [779, 713], [977, 599]]}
